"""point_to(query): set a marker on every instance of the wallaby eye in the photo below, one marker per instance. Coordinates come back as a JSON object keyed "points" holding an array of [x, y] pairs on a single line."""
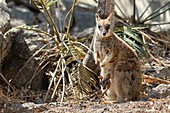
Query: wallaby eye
{"points": [[99, 26], [107, 27]]}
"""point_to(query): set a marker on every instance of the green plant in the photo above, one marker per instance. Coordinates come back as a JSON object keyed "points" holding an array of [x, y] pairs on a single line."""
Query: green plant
{"points": [[133, 33], [133, 38]]}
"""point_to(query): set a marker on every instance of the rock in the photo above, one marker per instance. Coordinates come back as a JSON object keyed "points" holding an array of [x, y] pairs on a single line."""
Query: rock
{"points": [[5, 42], [164, 73], [5, 45], [21, 15], [26, 3], [19, 66], [5, 16], [83, 15], [86, 33], [29, 105], [161, 91]]}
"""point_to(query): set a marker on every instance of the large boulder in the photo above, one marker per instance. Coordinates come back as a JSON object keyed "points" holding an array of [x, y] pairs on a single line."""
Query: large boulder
{"points": [[21, 67], [21, 15], [5, 42]]}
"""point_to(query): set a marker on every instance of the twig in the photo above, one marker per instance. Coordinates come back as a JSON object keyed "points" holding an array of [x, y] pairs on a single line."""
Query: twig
{"points": [[55, 89], [70, 50], [31, 58], [146, 36], [154, 79], [157, 60], [71, 82], [53, 76], [69, 13], [52, 23], [54, 27], [33, 28], [56, 86], [89, 49], [6, 81], [70, 21], [62, 72], [36, 72]]}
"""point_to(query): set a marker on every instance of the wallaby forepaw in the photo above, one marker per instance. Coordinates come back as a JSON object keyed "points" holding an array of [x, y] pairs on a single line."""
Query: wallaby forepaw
{"points": [[96, 62], [102, 64]]}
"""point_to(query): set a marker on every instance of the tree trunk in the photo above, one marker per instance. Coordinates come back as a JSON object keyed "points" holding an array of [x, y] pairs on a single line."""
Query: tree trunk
{"points": [[105, 7]]}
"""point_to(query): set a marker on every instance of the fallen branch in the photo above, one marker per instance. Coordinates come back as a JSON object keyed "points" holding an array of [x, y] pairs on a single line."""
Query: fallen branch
{"points": [[150, 79]]}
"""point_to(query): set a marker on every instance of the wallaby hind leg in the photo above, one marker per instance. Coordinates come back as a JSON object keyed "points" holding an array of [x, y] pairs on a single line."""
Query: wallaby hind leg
{"points": [[136, 80], [122, 85]]}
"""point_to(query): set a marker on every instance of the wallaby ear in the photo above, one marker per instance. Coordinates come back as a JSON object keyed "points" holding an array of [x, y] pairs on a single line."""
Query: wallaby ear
{"points": [[97, 17], [110, 16]]}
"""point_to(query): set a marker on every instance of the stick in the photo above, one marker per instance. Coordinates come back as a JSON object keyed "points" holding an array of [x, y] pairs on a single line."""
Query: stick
{"points": [[150, 79]]}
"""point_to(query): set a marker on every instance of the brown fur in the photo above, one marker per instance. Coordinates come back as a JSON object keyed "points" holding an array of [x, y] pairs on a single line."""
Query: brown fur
{"points": [[117, 60]]}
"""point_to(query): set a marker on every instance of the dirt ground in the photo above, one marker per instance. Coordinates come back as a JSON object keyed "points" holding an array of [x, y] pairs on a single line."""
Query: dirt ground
{"points": [[152, 106]]}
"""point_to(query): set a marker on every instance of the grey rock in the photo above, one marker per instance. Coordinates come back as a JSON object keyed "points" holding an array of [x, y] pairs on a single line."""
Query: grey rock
{"points": [[21, 15], [165, 73], [161, 91], [5, 17], [29, 105], [86, 33], [5, 45], [83, 15], [26, 3], [19, 65], [5, 42]]}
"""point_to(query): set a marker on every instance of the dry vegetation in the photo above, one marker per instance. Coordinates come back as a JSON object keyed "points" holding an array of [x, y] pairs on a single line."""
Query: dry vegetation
{"points": [[71, 91]]}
